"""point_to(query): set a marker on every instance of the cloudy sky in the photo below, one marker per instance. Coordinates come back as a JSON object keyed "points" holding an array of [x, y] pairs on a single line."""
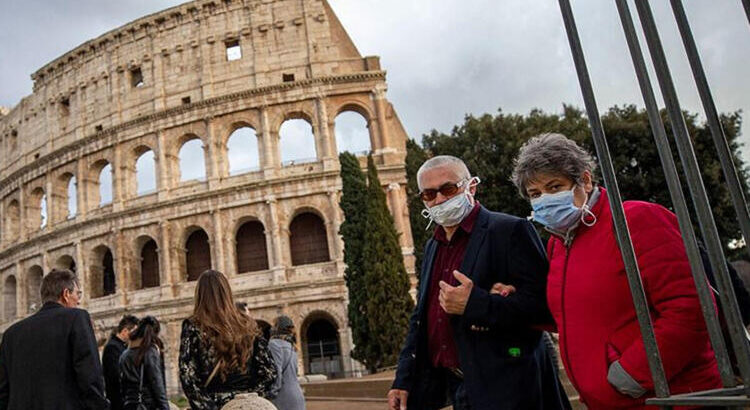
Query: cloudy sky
{"points": [[444, 58]]}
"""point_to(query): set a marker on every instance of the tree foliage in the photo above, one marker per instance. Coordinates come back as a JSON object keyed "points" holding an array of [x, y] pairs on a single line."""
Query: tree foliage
{"points": [[379, 300], [488, 144]]}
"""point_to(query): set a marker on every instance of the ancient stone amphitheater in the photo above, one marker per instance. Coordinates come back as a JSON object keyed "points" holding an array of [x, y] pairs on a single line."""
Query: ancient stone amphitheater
{"points": [[202, 136]]}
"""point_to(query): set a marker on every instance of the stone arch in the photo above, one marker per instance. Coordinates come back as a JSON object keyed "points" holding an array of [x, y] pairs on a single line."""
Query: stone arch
{"points": [[148, 257], [250, 246], [242, 149], [144, 179], [66, 262], [321, 344], [308, 238], [37, 213], [192, 159], [66, 197], [101, 192], [352, 131], [10, 311], [12, 221], [102, 279], [297, 141], [33, 287], [197, 252]]}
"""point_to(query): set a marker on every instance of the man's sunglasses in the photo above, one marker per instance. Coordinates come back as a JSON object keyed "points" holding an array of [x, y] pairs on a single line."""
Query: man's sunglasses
{"points": [[448, 189]]}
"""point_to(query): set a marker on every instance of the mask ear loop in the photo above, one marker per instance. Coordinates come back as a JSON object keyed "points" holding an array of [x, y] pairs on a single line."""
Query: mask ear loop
{"points": [[587, 212], [426, 214]]}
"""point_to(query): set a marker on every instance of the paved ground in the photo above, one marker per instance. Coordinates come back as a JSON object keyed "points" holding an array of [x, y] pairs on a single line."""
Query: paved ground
{"points": [[344, 405]]}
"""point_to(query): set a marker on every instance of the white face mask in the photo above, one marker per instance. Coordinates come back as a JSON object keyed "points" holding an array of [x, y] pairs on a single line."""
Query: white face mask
{"points": [[454, 210]]}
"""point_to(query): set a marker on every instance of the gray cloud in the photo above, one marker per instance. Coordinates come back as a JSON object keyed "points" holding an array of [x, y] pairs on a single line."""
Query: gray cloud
{"points": [[446, 58]]}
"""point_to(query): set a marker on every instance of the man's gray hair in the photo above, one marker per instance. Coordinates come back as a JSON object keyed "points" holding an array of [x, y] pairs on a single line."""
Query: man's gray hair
{"points": [[458, 166], [550, 154], [56, 282]]}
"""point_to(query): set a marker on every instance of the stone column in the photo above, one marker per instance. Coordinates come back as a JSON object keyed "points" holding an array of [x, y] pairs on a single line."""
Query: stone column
{"points": [[53, 214], [271, 161], [122, 265], [396, 204], [211, 153], [119, 173], [22, 306], [165, 266], [218, 242], [163, 180], [324, 139], [45, 263], [277, 260], [83, 272], [82, 188], [380, 108], [337, 243]]}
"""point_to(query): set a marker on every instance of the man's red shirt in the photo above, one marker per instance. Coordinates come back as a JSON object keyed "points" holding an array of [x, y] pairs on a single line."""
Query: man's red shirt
{"points": [[448, 257]]}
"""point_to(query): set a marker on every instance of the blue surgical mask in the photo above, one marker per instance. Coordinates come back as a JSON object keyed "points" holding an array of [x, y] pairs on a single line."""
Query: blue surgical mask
{"points": [[557, 211], [454, 210]]}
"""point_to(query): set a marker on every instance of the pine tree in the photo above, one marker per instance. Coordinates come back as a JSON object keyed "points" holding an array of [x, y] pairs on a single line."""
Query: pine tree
{"points": [[353, 200], [386, 284]]}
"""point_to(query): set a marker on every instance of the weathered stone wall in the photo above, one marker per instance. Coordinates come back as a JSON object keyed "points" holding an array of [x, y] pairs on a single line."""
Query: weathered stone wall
{"points": [[86, 112]]}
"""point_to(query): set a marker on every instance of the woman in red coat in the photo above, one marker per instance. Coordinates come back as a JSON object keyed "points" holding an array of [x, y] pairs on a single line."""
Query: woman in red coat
{"points": [[587, 288]]}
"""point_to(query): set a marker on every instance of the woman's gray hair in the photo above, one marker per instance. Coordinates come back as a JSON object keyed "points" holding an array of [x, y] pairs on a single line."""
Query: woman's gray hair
{"points": [[458, 166], [550, 154]]}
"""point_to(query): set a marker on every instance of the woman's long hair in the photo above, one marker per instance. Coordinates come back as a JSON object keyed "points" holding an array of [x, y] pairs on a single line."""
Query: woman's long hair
{"points": [[231, 333], [148, 331]]}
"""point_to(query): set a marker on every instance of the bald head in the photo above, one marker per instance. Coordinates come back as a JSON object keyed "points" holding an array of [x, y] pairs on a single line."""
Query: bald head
{"points": [[447, 163]]}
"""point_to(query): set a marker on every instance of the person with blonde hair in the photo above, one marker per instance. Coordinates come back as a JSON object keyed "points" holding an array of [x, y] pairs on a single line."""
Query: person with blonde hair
{"points": [[221, 353]]}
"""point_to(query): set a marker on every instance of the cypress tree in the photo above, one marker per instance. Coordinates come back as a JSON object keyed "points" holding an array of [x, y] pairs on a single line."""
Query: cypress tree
{"points": [[386, 284], [353, 200]]}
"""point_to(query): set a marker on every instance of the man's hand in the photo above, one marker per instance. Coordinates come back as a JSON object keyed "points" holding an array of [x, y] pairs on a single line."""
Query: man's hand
{"points": [[502, 289], [453, 299], [397, 399]]}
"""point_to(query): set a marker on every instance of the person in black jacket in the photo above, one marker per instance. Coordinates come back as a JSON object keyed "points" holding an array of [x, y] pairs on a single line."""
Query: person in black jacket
{"points": [[141, 371], [116, 344], [467, 346], [50, 360]]}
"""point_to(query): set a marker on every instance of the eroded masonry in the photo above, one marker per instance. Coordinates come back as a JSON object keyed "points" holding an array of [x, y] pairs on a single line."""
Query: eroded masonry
{"points": [[202, 136]]}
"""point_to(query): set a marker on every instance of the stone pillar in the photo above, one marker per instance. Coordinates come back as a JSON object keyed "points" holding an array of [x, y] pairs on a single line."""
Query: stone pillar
{"points": [[380, 108], [122, 265], [46, 268], [396, 203], [165, 266], [211, 153], [337, 243], [82, 188], [325, 141], [219, 262], [22, 307], [271, 161], [119, 174], [163, 179], [53, 214], [277, 260], [83, 272]]}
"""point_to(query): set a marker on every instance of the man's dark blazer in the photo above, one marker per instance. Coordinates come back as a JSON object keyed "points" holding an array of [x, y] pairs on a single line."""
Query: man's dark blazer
{"points": [[50, 361], [493, 328], [111, 365]]}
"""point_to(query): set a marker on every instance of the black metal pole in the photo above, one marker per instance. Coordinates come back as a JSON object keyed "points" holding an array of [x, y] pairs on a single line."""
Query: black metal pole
{"points": [[678, 198], [746, 3], [697, 191], [712, 117], [618, 214]]}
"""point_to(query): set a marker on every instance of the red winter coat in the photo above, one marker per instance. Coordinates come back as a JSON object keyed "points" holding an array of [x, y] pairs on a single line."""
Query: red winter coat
{"points": [[589, 297]]}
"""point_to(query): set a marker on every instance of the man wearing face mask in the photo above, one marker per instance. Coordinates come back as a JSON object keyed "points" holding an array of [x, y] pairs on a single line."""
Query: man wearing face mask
{"points": [[467, 346], [587, 290]]}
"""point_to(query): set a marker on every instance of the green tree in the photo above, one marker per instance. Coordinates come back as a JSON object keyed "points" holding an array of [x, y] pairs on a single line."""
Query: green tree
{"points": [[415, 157], [353, 198], [489, 143], [386, 285]]}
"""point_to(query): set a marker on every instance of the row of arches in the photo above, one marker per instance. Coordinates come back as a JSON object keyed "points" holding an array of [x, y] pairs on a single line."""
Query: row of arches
{"points": [[308, 244], [297, 145]]}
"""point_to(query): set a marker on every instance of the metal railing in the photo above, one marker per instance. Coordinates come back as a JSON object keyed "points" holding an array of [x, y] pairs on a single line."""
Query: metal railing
{"points": [[731, 394]]}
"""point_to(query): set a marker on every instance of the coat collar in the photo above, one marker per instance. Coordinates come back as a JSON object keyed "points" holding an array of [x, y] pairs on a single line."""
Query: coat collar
{"points": [[51, 305]]}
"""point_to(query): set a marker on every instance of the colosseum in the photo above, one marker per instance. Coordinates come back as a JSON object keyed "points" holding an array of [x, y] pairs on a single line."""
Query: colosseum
{"points": [[202, 136]]}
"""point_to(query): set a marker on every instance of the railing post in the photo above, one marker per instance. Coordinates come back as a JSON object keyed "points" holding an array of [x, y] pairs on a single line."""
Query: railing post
{"points": [[678, 198], [618, 214]]}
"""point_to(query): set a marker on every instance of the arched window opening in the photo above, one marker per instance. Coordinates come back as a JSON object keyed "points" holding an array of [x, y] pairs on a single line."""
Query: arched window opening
{"points": [[145, 173], [308, 239], [105, 185], [72, 197], [149, 265], [192, 163], [198, 254], [352, 133], [9, 296], [242, 151], [252, 254], [297, 142], [12, 221], [322, 349], [108, 275]]}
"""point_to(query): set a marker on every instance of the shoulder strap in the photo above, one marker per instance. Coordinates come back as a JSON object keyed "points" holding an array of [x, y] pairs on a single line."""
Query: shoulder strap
{"points": [[140, 385], [213, 373]]}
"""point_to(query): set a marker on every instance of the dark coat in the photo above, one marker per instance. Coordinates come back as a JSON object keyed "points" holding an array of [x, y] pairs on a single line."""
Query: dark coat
{"points": [[153, 391], [50, 361], [111, 365], [507, 249]]}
